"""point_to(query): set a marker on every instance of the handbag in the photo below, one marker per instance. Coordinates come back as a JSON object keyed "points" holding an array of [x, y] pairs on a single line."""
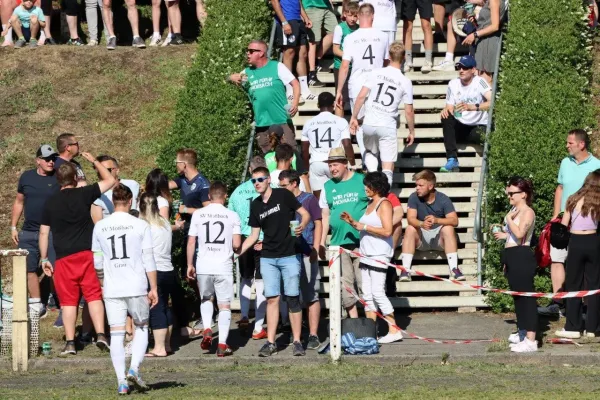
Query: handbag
{"points": [[559, 235]]}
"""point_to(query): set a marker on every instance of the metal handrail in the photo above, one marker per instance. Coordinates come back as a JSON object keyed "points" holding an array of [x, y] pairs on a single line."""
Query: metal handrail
{"points": [[477, 229], [253, 130]]}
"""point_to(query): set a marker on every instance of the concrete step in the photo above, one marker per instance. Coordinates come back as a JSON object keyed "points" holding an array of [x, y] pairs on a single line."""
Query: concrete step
{"points": [[434, 76], [452, 192], [420, 133], [462, 222], [463, 254], [460, 207], [463, 237], [418, 90], [428, 148], [467, 177], [327, 63], [419, 105], [432, 269], [435, 163], [420, 118], [419, 287]]}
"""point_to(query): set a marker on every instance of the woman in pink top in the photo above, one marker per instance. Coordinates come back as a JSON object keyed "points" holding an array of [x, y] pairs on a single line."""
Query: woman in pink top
{"points": [[583, 259]]}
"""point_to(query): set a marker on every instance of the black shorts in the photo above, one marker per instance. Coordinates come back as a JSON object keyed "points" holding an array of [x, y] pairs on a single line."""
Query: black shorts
{"points": [[46, 6], [250, 263], [410, 7], [450, 5], [299, 35]]}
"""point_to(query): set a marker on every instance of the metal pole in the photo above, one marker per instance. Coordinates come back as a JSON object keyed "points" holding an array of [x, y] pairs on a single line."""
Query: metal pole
{"points": [[249, 151], [335, 305]]}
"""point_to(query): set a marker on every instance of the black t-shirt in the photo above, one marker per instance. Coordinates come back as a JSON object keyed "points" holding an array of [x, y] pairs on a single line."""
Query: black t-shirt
{"points": [[60, 161], [67, 213], [274, 217], [37, 189]]}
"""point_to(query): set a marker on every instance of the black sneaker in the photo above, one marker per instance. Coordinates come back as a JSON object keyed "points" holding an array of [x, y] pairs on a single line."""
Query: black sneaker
{"points": [[313, 342], [69, 348], [86, 339], [314, 81], [267, 350], [75, 42], [458, 275], [404, 276], [50, 41], [102, 343], [177, 39], [298, 349]]}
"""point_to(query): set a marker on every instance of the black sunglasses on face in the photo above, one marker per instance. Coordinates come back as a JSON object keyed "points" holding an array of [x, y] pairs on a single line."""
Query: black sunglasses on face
{"points": [[48, 159], [259, 180], [252, 51], [462, 68], [510, 194], [73, 144]]}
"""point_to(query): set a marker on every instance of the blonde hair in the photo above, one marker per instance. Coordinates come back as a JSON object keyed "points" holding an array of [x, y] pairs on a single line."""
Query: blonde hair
{"points": [[397, 52], [149, 211], [425, 175]]}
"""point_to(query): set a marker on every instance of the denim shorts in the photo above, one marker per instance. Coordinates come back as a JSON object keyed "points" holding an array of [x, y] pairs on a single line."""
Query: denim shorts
{"points": [[30, 241], [273, 270]]}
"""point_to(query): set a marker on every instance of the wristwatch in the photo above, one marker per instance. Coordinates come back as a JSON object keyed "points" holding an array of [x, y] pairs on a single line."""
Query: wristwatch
{"points": [[477, 106], [284, 23], [476, 35], [13, 228]]}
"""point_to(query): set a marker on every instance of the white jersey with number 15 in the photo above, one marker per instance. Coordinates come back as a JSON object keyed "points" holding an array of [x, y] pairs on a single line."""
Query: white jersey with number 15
{"points": [[366, 49], [388, 88], [324, 132], [214, 227]]}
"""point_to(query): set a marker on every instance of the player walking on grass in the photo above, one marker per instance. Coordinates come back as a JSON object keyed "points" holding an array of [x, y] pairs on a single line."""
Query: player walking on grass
{"points": [[218, 231], [124, 260]]}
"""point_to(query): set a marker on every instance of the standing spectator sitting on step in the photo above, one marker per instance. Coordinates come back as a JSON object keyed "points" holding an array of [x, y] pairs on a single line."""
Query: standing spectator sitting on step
{"points": [[320, 13], [486, 39], [68, 148], [431, 221], [465, 115], [292, 37], [451, 39], [409, 11], [268, 101], [132, 16], [348, 25], [385, 17], [27, 21]]}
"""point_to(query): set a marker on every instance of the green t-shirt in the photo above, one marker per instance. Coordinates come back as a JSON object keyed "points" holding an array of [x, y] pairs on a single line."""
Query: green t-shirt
{"points": [[315, 4], [346, 30], [343, 196], [272, 163], [266, 89]]}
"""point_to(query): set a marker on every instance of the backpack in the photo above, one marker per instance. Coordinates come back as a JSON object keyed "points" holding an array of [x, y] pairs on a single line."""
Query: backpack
{"points": [[542, 250]]}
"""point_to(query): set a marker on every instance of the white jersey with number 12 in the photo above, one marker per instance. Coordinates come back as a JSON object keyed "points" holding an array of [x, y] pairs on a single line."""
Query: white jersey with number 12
{"points": [[324, 132], [214, 227], [366, 49]]}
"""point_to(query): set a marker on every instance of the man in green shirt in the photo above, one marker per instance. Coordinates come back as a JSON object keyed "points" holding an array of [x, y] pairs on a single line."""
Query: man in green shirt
{"points": [[344, 192], [264, 81]]}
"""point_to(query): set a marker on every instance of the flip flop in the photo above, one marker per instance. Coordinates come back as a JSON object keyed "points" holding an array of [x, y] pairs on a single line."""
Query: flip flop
{"points": [[154, 355], [191, 336]]}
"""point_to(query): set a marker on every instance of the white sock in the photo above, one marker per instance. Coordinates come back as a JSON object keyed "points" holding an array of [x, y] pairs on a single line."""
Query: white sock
{"points": [[284, 311], [224, 321], [156, 35], [170, 35], [452, 261], [117, 353], [360, 142], [370, 161], [261, 305], [303, 84], [406, 260], [8, 38], [42, 36], [206, 311], [390, 176], [139, 345], [449, 57], [245, 293], [136, 36]]}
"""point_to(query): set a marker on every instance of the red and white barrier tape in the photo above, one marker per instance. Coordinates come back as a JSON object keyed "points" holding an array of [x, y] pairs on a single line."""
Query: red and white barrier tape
{"points": [[560, 295], [562, 341], [412, 335]]}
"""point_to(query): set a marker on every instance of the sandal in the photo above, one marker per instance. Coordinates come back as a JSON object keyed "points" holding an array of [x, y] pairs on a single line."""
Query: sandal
{"points": [[154, 355]]}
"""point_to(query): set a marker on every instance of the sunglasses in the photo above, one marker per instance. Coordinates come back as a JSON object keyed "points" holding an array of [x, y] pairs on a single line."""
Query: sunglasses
{"points": [[73, 144], [48, 159], [462, 68], [259, 180], [179, 162], [511, 194], [252, 51]]}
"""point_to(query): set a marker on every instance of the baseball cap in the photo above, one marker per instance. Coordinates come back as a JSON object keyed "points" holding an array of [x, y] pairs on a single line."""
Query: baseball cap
{"points": [[467, 61], [337, 154], [45, 150], [276, 129]]}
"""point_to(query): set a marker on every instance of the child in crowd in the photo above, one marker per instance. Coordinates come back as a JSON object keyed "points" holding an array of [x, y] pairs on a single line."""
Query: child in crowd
{"points": [[27, 21], [350, 24]]}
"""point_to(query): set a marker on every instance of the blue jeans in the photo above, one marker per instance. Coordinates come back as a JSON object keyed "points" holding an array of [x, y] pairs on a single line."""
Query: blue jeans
{"points": [[274, 269]]}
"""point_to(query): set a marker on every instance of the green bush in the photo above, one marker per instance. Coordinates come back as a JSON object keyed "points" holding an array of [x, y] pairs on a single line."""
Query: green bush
{"points": [[213, 116], [545, 92]]}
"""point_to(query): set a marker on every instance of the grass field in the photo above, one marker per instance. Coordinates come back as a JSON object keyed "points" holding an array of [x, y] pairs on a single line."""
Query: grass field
{"points": [[301, 381]]}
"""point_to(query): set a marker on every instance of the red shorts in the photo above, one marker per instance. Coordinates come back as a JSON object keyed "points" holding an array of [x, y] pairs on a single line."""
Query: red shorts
{"points": [[75, 274]]}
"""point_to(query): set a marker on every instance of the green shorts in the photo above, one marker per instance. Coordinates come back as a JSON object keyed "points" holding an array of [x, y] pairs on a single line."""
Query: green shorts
{"points": [[322, 19]]}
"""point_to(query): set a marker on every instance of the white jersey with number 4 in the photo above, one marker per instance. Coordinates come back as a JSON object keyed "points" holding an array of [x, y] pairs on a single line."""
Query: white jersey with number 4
{"points": [[214, 227], [324, 132], [388, 88], [122, 238], [366, 49]]}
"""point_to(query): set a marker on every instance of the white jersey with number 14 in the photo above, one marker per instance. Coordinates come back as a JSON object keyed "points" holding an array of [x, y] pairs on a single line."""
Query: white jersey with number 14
{"points": [[366, 49], [214, 227], [388, 88], [324, 132]]}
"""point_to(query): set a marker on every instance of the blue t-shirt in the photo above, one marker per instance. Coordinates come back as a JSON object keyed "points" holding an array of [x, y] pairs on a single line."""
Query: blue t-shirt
{"points": [[37, 189], [572, 175], [193, 193], [24, 15], [291, 10], [441, 206]]}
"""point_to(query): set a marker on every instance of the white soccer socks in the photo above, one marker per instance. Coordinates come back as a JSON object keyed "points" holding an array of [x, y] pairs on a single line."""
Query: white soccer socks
{"points": [[245, 293], [206, 312], [139, 345], [261, 305], [224, 322], [390, 176], [407, 260], [117, 353], [452, 261]]}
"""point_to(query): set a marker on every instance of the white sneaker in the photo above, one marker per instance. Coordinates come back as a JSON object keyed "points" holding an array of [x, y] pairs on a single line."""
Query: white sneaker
{"points": [[568, 334], [590, 334], [427, 66], [155, 41], [390, 338], [514, 338], [308, 96], [166, 42], [526, 346], [407, 67], [92, 43], [444, 66]]}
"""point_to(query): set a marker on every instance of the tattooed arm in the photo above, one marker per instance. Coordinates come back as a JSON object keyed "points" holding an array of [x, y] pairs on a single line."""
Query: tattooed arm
{"points": [[525, 222]]}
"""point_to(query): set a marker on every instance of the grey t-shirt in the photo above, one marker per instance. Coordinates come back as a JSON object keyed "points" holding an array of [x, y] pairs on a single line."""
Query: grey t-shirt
{"points": [[441, 206], [105, 200]]}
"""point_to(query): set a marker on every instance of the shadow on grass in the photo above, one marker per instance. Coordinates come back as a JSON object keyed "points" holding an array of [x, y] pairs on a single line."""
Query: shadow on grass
{"points": [[166, 385]]}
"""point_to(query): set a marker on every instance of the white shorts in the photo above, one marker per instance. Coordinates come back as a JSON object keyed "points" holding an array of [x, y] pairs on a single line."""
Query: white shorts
{"points": [[391, 36], [117, 309], [381, 140], [318, 174], [430, 239], [219, 285], [558, 255]]}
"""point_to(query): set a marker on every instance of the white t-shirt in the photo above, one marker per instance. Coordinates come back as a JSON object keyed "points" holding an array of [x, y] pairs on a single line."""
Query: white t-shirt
{"points": [[121, 238], [385, 14], [324, 132], [337, 34], [214, 226], [105, 200], [473, 93], [275, 180], [162, 202], [162, 237], [388, 88], [366, 49]]}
